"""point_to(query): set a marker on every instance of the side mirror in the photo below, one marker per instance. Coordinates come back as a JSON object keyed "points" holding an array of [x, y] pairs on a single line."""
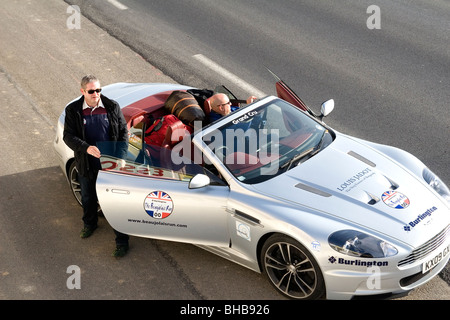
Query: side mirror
{"points": [[199, 181], [327, 107]]}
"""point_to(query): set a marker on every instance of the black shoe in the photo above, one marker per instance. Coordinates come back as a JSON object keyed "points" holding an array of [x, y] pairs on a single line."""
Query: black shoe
{"points": [[86, 232], [120, 251]]}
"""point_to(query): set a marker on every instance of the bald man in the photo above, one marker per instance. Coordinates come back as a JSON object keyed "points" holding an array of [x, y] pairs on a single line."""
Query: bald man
{"points": [[221, 106]]}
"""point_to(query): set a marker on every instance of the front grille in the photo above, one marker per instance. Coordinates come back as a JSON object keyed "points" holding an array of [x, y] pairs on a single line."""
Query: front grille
{"points": [[426, 248]]}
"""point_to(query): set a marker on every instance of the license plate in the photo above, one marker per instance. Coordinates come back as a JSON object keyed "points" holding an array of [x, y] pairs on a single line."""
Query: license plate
{"points": [[433, 262]]}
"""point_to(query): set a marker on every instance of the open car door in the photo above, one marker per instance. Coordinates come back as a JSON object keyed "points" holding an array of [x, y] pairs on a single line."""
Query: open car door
{"points": [[144, 195], [287, 94]]}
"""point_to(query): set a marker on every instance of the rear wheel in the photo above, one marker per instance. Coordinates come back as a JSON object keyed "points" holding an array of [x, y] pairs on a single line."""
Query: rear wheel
{"points": [[74, 183], [75, 186], [291, 268]]}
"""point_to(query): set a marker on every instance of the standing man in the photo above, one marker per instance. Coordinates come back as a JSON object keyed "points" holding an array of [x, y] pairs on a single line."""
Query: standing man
{"points": [[93, 118]]}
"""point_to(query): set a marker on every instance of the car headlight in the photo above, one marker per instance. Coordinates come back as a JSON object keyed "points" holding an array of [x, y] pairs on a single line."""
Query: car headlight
{"points": [[359, 244], [437, 184]]}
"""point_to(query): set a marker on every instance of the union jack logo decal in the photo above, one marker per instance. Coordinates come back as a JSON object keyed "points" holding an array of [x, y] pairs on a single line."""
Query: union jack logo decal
{"points": [[158, 204], [395, 199]]}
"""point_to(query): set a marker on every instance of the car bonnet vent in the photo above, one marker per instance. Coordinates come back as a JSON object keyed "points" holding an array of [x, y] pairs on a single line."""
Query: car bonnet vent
{"points": [[361, 158], [394, 185], [372, 198], [312, 190]]}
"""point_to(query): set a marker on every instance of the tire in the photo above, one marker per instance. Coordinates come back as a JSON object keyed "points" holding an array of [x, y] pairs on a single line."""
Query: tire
{"points": [[291, 269], [75, 186], [74, 183]]}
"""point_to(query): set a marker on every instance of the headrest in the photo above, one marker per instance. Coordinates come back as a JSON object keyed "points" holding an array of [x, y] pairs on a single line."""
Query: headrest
{"points": [[207, 106]]}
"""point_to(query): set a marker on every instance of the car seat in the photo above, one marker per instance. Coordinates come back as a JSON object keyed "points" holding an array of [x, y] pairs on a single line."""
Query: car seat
{"points": [[207, 106], [175, 133]]}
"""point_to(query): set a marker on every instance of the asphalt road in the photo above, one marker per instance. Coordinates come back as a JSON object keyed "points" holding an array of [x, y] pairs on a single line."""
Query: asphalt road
{"points": [[391, 85], [41, 62]]}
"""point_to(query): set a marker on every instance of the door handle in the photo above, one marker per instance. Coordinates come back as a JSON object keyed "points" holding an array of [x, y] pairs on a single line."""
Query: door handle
{"points": [[119, 191]]}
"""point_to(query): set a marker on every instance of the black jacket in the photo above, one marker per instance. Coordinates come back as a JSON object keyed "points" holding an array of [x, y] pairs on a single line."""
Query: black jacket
{"points": [[74, 135]]}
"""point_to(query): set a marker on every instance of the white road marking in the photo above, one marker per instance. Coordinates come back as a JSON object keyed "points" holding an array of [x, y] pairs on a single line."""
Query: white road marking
{"points": [[118, 5], [229, 76]]}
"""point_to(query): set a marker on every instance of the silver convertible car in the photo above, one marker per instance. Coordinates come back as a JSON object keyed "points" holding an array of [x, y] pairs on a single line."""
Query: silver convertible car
{"points": [[273, 188]]}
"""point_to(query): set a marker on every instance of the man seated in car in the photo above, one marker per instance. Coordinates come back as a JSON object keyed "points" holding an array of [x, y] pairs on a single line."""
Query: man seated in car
{"points": [[221, 106]]}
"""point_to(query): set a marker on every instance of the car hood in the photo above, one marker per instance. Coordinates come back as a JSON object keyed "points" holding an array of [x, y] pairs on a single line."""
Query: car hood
{"points": [[356, 184]]}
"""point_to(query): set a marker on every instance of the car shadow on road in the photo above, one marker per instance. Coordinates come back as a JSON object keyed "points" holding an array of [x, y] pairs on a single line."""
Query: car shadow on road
{"points": [[40, 222]]}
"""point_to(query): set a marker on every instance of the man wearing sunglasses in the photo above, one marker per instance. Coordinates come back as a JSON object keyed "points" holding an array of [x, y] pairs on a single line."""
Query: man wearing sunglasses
{"points": [[91, 119], [221, 106]]}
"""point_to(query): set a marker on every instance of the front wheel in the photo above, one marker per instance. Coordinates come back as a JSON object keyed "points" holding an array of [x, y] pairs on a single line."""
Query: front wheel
{"points": [[291, 268]]}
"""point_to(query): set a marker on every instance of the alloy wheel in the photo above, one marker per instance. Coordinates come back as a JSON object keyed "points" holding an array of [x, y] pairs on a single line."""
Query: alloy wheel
{"points": [[292, 269]]}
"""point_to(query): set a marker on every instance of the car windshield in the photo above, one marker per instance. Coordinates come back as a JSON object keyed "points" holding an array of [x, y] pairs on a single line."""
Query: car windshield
{"points": [[259, 143]]}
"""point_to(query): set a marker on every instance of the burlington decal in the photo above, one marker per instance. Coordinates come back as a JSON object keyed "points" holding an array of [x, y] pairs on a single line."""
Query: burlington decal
{"points": [[420, 218], [358, 262]]}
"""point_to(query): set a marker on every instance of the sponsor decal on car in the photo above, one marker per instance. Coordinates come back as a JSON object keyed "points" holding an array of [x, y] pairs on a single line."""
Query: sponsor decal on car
{"points": [[420, 218], [395, 199], [246, 117], [315, 245], [243, 230], [358, 262], [158, 204], [110, 163], [356, 179]]}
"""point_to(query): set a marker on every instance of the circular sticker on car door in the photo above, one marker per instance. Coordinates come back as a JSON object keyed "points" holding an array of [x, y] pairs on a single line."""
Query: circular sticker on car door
{"points": [[158, 204], [395, 199]]}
